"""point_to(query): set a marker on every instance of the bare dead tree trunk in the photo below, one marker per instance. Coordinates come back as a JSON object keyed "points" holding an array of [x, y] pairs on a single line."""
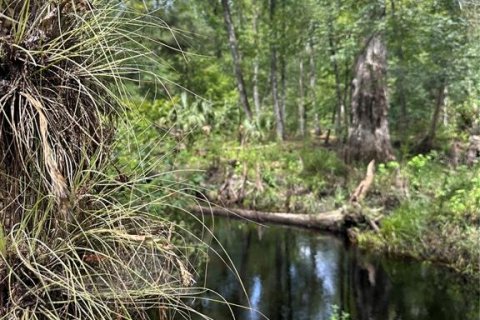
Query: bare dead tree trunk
{"points": [[369, 136], [273, 69], [256, 62], [301, 101], [232, 39]]}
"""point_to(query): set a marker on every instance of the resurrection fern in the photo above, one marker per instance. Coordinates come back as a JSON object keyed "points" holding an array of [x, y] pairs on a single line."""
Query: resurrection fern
{"points": [[69, 248]]}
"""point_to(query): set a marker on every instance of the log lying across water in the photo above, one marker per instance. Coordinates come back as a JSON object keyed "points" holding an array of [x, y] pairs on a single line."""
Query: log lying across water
{"points": [[336, 220], [330, 220]]}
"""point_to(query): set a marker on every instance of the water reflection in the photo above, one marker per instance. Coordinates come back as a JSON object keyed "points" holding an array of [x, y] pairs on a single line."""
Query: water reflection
{"points": [[294, 274]]}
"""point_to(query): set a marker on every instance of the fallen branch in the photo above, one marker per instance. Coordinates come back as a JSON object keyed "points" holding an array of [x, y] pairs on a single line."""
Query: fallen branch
{"points": [[364, 185]]}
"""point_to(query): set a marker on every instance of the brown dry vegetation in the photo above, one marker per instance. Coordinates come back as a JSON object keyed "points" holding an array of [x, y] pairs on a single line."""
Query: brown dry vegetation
{"points": [[69, 247]]}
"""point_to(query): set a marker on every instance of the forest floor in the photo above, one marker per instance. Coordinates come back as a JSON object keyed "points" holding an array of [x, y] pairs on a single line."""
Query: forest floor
{"points": [[429, 209]]}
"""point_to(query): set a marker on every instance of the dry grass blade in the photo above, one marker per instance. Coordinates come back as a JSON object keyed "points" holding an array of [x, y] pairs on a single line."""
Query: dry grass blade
{"points": [[57, 107], [69, 249]]}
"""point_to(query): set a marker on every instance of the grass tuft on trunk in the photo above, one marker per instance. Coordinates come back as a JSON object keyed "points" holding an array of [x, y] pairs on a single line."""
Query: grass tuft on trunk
{"points": [[69, 247]]}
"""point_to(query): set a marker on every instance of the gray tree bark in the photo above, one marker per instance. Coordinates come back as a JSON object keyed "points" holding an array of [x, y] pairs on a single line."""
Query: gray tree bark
{"points": [[369, 136], [283, 89], [232, 40], [280, 129], [256, 62], [400, 84], [301, 101], [313, 80], [439, 104], [331, 220], [337, 115]]}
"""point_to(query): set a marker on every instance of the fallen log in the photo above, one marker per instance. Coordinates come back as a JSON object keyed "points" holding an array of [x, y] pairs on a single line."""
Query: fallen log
{"points": [[331, 220], [338, 220]]}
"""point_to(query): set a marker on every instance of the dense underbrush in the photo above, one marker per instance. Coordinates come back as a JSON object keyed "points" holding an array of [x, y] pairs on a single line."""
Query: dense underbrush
{"points": [[438, 219], [428, 209]]}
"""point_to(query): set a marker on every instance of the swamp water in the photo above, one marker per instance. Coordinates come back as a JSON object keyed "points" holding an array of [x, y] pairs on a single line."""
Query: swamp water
{"points": [[296, 274]]}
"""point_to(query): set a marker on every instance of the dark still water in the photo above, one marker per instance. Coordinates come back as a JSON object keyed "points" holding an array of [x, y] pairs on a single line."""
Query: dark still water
{"points": [[296, 274]]}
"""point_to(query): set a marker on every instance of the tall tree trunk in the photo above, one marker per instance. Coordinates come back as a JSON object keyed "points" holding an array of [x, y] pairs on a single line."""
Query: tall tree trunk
{"points": [[256, 94], [232, 39], [283, 89], [369, 136], [276, 103], [313, 80], [347, 94], [336, 72], [427, 143], [283, 68], [445, 108], [256, 62], [273, 69], [400, 83], [317, 129], [436, 113], [301, 101], [337, 110]]}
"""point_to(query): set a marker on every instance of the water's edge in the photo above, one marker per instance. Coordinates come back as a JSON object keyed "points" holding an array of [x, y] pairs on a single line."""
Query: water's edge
{"points": [[291, 273]]}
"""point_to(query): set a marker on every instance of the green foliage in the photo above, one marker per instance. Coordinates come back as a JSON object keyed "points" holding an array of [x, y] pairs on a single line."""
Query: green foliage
{"points": [[322, 162], [197, 124], [339, 315], [438, 221]]}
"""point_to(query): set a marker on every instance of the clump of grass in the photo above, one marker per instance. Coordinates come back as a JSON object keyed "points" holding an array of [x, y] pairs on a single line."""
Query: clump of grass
{"points": [[69, 248], [56, 108], [116, 263]]}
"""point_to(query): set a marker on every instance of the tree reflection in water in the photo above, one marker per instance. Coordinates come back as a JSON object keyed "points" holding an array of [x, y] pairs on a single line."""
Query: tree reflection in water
{"points": [[295, 274]]}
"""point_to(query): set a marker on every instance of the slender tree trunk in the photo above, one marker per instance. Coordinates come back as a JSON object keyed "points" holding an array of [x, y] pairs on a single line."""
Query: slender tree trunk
{"points": [[232, 39], [436, 113], [347, 93], [256, 94], [317, 129], [276, 103], [369, 136], [301, 102], [346, 97], [400, 84], [256, 62], [283, 68], [283, 89], [313, 80], [337, 110], [445, 108], [338, 89], [427, 143], [273, 69]]}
